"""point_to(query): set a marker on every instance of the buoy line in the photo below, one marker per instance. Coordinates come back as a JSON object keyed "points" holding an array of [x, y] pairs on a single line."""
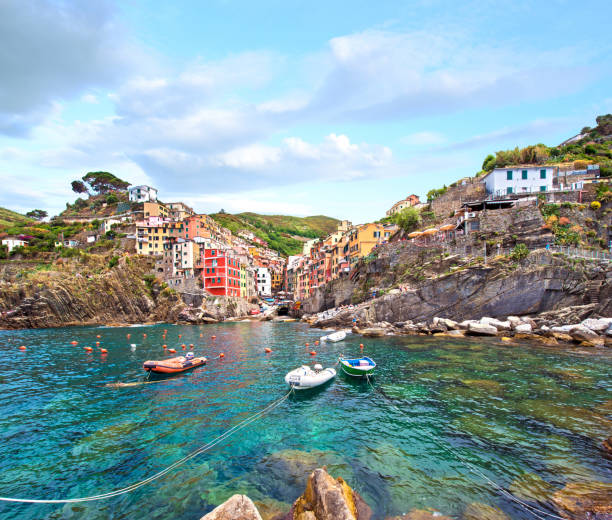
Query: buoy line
{"points": [[529, 508], [193, 454]]}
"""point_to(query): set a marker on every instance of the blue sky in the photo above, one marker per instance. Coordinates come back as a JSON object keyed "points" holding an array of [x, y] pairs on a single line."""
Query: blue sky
{"points": [[336, 108]]}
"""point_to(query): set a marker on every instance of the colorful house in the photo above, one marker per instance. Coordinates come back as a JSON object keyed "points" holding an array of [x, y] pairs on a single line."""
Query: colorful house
{"points": [[221, 272]]}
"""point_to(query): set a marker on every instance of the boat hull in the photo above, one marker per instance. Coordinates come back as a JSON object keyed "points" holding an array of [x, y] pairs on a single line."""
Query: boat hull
{"points": [[334, 337], [169, 367], [305, 379], [360, 371]]}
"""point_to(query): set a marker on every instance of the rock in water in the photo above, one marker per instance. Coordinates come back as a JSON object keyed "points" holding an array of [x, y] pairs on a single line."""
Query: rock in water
{"points": [[329, 499], [592, 500], [581, 333], [607, 446], [478, 511], [420, 514], [238, 507], [480, 329]]}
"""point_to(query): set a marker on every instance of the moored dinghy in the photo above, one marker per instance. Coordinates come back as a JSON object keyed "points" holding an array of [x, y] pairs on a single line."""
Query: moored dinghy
{"points": [[358, 367], [175, 364], [335, 336], [305, 377]]}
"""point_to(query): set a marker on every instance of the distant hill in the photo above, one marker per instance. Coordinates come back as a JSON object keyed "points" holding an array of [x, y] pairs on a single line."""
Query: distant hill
{"points": [[283, 233], [10, 218]]}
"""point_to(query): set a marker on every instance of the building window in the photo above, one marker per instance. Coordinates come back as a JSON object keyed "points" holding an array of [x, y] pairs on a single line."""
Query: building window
{"points": [[509, 190], [542, 174], [524, 175], [509, 175], [542, 188]]}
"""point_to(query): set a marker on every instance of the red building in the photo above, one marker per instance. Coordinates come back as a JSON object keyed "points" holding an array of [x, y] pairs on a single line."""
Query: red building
{"points": [[221, 272]]}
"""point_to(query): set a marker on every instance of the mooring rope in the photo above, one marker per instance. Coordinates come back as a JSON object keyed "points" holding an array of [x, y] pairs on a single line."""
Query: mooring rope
{"points": [[531, 509], [195, 453]]}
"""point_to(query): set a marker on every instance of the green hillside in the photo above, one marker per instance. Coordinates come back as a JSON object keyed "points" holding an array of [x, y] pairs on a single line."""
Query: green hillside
{"points": [[283, 233], [9, 218]]}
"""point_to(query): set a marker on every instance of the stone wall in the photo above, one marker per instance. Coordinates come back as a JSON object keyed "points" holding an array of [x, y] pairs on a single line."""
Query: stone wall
{"points": [[455, 196]]}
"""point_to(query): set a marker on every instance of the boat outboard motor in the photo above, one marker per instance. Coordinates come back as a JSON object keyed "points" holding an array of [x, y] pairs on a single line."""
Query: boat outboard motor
{"points": [[189, 355], [318, 367]]}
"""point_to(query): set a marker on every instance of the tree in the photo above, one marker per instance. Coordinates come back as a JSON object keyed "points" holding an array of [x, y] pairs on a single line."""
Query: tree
{"points": [[489, 163], [408, 219], [79, 187], [435, 193], [37, 214], [103, 182], [519, 252]]}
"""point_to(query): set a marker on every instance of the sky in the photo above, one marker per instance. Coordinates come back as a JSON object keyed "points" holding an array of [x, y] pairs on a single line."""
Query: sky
{"points": [[338, 108]]}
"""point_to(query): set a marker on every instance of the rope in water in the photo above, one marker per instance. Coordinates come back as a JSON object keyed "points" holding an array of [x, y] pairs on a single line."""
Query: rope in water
{"points": [[531, 509], [195, 453]]}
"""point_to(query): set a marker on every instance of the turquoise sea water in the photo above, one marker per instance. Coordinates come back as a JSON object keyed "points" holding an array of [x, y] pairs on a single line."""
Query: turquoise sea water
{"points": [[529, 418]]}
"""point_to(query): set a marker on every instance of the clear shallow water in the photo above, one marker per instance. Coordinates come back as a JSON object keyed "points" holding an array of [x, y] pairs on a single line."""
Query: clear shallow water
{"points": [[531, 419]]}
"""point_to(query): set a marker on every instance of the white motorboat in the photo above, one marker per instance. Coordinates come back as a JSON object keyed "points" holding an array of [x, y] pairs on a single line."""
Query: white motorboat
{"points": [[305, 377], [335, 336]]}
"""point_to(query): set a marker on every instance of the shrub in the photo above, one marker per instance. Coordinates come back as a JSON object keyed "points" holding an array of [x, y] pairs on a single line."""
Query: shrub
{"points": [[519, 252], [595, 205], [113, 262], [564, 221], [550, 209], [111, 198]]}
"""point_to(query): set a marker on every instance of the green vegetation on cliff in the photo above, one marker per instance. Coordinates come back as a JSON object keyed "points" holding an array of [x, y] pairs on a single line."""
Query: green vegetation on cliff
{"points": [[285, 234], [9, 218]]}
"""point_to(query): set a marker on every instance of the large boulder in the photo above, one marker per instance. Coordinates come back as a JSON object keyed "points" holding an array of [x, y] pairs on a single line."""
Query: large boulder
{"points": [[326, 498], [498, 324], [523, 328], [582, 334], [592, 500], [480, 511], [514, 320], [238, 507], [373, 332], [597, 325], [480, 329]]}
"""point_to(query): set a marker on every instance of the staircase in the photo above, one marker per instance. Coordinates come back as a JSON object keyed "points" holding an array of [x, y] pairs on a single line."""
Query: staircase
{"points": [[592, 291]]}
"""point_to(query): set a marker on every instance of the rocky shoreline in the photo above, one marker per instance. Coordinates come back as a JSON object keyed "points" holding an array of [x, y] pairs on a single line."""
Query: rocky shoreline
{"points": [[568, 325], [326, 498]]}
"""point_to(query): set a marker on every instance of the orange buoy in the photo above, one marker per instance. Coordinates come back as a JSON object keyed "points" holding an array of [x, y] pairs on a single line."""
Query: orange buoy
{"points": [[88, 349], [360, 345], [183, 347], [214, 337], [144, 335], [268, 350], [313, 353], [103, 351], [128, 336], [98, 336], [172, 351], [165, 330], [180, 335], [317, 342], [165, 346], [201, 335], [222, 354], [97, 343], [23, 347], [74, 342], [308, 344], [190, 345]]}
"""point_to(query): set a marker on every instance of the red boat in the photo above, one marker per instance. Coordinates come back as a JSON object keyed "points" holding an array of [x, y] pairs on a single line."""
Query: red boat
{"points": [[174, 365]]}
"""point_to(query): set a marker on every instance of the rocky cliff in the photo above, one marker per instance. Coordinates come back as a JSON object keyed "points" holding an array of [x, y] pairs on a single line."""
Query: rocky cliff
{"points": [[84, 291], [419, 288]]}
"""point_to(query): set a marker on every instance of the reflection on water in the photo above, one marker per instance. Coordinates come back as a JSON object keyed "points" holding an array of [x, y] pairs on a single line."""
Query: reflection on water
{"points": [[530, 419]]}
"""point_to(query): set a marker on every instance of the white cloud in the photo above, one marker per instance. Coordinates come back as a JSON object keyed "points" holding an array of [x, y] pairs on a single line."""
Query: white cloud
{"points": [[424, 138], [90, 98]]}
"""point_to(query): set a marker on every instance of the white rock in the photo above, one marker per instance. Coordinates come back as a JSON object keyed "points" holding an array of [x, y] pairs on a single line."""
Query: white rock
{"points": [[597, 325], [524, 328], [527, 319], [581, 333], [514, 320], [465, 324], [482, 329], [449, 324], [564, 329], [545, 328], [499, 325]]}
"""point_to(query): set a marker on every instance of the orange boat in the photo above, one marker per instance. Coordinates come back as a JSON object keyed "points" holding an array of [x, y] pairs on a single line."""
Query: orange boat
{"points": [[174, 365]]}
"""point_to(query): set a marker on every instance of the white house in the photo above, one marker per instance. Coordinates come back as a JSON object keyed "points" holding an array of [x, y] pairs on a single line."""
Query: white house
{"points": [[142, 194], [519, 179], [263, 281], [13, 242]]}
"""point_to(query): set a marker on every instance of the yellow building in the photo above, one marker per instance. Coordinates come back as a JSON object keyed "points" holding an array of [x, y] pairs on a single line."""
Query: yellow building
{"points": [[151, 235], [364, 238], [155, 209], [277, 280]]}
